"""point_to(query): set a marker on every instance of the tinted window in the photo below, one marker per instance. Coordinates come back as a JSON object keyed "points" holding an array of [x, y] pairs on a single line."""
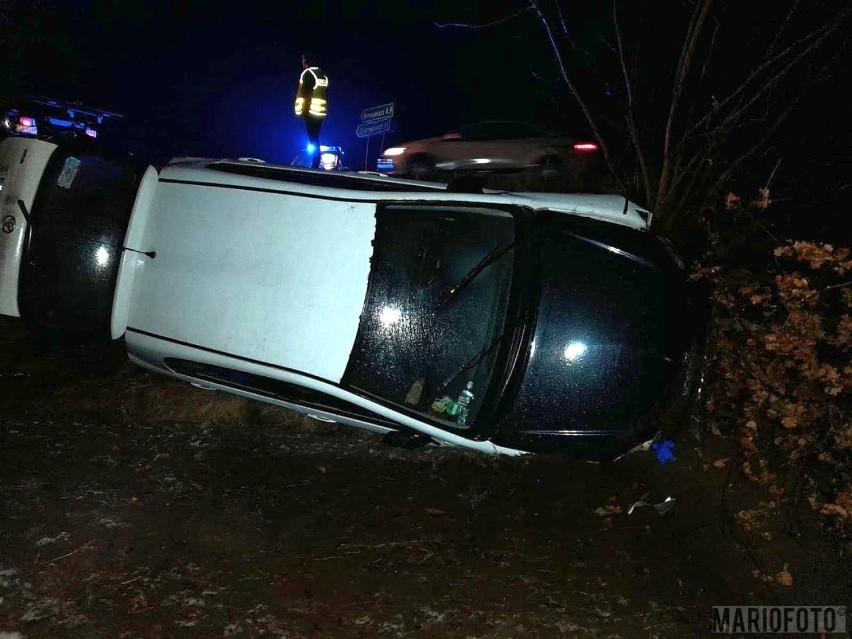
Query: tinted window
{"points": [[418, 341]]}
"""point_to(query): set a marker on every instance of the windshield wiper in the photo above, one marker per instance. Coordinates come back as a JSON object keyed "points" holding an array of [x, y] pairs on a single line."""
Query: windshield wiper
{"points": [[495, 254], [473, 361]]}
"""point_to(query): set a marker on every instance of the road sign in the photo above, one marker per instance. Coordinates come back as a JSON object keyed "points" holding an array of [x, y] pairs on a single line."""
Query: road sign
{"points": [[372, 128], [380, 112]]}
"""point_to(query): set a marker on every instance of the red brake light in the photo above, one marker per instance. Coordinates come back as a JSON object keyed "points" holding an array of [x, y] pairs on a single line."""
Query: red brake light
{"points": [[585, 147], [25, 121]]}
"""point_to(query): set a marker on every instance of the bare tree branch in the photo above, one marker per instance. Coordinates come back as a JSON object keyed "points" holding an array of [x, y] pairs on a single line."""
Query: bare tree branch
{"points": [[630, 114], [562, 21], [695, 27], [773, 128], [485, 25], [774, 44], [819, 35], [709, 55], [573, 89]]}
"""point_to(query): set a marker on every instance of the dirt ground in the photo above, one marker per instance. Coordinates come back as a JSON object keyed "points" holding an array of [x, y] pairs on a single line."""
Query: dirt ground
{"points": [[133, 506]]}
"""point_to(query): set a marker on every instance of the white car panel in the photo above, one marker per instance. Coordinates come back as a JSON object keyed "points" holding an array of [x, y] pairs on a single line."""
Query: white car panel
{"points": [[149, 351], [257, 275], [22, 164], [132, 259], [609, 208], [605, 207]]}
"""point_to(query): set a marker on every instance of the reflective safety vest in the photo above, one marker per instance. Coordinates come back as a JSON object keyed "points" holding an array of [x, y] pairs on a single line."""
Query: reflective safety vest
{"points": [[312, 96]]}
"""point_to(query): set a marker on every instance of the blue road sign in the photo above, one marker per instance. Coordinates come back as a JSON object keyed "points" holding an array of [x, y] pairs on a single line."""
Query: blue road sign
{"points": [[372, 128], [377, 113]]}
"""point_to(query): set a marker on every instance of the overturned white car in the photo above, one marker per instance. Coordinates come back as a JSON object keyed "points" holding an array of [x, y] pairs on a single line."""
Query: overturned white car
{"points": [[502, 322]]}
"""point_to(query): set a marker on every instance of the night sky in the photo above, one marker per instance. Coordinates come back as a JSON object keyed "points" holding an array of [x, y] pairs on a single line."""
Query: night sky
{"points": [[217, 79], [202, 81]]}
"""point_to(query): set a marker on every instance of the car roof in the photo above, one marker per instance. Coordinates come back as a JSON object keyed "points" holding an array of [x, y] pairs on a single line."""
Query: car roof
{"points": [[372, 186]]}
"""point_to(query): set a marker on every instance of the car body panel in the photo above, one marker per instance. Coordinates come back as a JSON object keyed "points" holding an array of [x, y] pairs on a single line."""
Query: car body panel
{"points": [[253, 274], [22, 164], [135, 255], [78, 221], [606, 341], [609, 208], [258, 280]]}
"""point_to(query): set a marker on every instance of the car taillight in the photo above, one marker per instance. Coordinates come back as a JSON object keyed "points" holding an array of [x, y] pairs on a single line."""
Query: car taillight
{"points": [[585, 147], [91, 133], [25, 121]]}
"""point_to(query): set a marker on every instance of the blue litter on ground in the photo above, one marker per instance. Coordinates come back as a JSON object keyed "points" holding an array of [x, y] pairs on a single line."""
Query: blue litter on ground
{"points": [[664, 450]]}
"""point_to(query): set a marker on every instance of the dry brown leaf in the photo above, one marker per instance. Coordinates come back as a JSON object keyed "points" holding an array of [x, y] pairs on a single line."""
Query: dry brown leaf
{"points": [[748, 445], [835, 510], [784, 577]]}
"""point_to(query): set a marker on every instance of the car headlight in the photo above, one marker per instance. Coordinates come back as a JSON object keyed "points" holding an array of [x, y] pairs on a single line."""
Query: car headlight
{"points": [[328, 161], [394, 150]]}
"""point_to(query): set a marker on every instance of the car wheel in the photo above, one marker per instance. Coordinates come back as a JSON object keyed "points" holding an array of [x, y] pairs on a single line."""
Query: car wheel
{"points": [[421, 167]]}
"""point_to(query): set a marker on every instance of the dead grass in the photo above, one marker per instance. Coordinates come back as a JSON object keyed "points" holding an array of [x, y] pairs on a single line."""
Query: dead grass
{"points": [[76, 385], [140, 397]]}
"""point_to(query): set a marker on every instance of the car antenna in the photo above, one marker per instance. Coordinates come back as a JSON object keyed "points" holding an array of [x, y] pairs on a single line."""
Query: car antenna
{"points": [[151, 254]]}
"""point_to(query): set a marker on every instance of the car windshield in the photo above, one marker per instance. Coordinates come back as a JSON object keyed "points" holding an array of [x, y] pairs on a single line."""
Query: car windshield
{"points": [[435, 309]]}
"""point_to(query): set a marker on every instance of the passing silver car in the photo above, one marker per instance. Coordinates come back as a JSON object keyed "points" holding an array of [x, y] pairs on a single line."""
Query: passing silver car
{"points": [[494, 146]]}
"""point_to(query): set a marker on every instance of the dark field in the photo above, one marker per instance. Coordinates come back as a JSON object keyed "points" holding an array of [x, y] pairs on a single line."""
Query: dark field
{"points": [[135, 506]]}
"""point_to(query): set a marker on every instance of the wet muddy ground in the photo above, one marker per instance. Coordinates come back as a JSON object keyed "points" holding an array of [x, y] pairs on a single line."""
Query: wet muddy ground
{"points": [[134, 506]]}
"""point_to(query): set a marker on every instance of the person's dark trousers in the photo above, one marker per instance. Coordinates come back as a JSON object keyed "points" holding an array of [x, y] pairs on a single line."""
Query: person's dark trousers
{"points": [[313, 126]]}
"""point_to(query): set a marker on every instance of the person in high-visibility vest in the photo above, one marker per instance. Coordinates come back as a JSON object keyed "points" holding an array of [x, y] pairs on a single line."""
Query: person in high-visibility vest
{"points": [[312, 104]]}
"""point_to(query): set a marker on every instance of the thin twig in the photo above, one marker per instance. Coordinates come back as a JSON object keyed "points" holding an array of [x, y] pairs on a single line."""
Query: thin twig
{"points": [[573, 89], [86, 545], [389, 544], [772, 175], [630, 117], [690, 42], [819, 35], [485, 25]]}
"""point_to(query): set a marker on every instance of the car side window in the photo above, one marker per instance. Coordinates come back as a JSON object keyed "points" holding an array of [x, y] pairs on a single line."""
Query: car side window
{"points": [[277, 389]]}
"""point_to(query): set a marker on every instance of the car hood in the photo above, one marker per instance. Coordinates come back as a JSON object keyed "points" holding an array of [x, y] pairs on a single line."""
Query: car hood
{"points": [[605, 340]]}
